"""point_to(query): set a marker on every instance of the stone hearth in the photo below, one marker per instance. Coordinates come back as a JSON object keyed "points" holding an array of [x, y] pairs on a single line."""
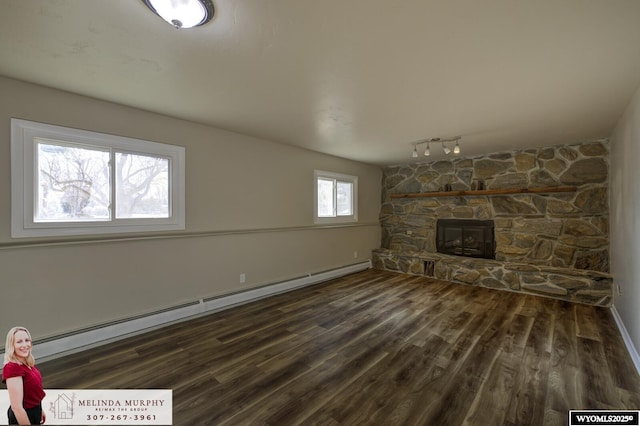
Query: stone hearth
{"points": [[554, 244]]}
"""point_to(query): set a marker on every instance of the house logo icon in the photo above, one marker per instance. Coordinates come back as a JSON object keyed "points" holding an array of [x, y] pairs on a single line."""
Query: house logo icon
{"points": [[62, 407]]}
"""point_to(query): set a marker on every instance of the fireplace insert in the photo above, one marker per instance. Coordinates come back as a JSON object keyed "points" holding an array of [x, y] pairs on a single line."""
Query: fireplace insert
{"points": [[466, 237]]}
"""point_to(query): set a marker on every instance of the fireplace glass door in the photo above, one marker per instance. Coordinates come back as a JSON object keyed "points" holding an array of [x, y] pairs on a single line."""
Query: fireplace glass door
{"points": [[463, 237]]}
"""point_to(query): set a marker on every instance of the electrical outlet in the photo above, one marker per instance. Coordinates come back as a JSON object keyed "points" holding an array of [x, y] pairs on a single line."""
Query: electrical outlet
{"points": [[355, 254], [619, 289], [243, 278]]}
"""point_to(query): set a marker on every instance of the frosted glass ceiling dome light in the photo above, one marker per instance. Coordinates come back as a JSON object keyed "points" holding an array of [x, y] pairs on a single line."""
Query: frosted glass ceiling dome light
{"points": [[182, 13]]}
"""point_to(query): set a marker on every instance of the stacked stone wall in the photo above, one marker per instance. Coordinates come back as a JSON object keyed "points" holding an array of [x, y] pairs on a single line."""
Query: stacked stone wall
{"points": [[559, 230]]}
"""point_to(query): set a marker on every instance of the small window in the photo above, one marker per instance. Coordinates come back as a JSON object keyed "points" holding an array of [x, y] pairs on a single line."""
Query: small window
{"points": [[335, 197], [75, 182]]}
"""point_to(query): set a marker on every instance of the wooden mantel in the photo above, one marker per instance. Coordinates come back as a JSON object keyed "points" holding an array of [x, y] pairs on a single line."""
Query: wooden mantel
{"points": [[485, 192]]}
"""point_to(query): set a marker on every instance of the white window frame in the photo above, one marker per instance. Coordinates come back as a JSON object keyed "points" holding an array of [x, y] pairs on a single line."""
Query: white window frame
{"points": [[336, 177], [24, 178]]}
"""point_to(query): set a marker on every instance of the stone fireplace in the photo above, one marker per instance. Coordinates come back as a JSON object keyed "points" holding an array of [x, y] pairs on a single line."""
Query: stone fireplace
{"points": [[553, 244]]}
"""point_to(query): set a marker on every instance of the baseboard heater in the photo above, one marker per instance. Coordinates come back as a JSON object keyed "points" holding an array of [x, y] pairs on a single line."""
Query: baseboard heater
{"points": [[64, 344], [626, 338]]}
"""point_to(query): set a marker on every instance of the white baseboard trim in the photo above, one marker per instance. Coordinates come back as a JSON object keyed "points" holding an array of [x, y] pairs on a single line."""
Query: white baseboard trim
{"points": [[627, 339], [76, 341]]}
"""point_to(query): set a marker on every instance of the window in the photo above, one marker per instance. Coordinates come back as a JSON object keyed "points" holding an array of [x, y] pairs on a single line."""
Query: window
{"points": [[335, 198], [75, 182]]}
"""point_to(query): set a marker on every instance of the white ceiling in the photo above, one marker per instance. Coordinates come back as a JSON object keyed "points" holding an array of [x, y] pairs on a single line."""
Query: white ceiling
{"points": [[359, 79]]}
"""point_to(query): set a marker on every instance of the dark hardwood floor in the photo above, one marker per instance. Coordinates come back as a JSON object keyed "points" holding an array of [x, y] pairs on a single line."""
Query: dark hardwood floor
{"points": [[374, 348]]}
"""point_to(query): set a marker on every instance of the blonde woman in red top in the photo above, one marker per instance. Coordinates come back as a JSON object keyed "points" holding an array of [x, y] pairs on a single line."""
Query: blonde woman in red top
{"points": [[24, 381]]}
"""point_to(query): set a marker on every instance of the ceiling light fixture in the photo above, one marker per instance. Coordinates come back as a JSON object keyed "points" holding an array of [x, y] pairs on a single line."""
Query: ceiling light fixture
{"points": [[445, 148], [182, 13]]}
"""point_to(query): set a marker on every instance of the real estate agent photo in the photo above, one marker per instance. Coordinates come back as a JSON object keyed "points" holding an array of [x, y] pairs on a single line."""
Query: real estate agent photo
{"points": [[23, 380]]}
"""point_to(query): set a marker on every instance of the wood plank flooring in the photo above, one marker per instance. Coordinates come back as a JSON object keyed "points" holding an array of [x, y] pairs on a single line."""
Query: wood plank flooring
{"points": [[374, 348]]}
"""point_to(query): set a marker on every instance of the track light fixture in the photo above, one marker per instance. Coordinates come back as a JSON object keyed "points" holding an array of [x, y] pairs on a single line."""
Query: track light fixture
{"points": [[445, 148]]}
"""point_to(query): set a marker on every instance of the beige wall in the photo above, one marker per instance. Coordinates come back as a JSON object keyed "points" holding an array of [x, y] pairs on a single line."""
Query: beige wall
{"points": [[249, 210], [625, 217]]}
